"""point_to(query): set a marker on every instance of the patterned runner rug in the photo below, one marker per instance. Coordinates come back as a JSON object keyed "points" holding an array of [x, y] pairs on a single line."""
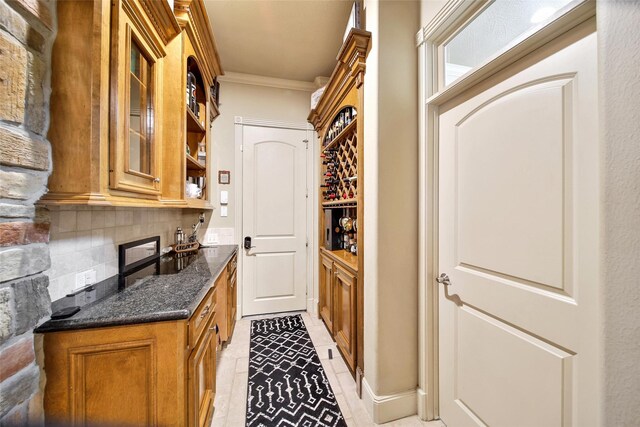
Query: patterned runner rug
{"points": [[287, 385]]}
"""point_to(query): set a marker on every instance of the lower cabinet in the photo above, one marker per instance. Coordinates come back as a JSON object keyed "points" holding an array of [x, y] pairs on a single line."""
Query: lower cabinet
{"points": [[202, 379], [228, 302], [337, 306], [232, 294], [325, 300], [344, 309], [151, 374]]}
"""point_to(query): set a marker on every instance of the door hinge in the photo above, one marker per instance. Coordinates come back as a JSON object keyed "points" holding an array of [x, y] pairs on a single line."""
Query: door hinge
{"points": [[307, 244], [306, 193], [306, 143], [241, 148]]}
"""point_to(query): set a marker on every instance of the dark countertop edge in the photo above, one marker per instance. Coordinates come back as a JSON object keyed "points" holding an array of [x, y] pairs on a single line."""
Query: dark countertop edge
{"points": [[68, 325]]}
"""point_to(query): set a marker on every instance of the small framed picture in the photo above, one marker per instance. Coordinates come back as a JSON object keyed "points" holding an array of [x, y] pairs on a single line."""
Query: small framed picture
{"points": [[224, 177]]}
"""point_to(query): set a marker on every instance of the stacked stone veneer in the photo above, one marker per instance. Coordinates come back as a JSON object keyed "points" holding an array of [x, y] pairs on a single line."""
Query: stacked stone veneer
{"points": [[27, 29]]}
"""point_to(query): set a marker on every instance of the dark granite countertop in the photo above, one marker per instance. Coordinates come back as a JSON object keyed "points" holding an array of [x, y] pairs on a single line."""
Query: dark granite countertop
{"points": [[152, 298]]}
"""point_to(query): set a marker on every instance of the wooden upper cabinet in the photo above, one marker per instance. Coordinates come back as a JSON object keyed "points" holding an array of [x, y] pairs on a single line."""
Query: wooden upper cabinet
{"points": [[119, 122], [135, 113]]}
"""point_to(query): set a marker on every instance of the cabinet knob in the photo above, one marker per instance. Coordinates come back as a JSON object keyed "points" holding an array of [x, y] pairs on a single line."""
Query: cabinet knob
{"points": [[156, 180]]}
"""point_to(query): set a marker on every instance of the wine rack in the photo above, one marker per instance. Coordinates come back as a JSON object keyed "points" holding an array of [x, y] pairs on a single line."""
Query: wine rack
{"points": [[344, 152]]}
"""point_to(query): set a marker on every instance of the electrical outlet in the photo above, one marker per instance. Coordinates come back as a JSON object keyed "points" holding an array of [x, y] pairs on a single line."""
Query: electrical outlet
{"points": [[80, 280], [211, 238], [89, 277]]}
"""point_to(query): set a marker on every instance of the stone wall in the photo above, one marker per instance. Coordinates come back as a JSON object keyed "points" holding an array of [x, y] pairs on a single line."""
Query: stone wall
{"points": [[27, 30]]}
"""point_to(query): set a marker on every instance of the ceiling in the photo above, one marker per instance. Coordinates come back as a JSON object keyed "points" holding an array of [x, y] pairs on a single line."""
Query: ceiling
{"points": [[286, 39]]}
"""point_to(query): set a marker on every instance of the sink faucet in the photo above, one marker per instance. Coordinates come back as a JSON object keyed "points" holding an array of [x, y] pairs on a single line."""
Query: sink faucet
{"points": [[193, 237]]}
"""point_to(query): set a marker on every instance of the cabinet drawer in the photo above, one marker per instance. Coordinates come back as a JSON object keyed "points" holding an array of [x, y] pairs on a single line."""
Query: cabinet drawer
{"points": [[201, 317]]}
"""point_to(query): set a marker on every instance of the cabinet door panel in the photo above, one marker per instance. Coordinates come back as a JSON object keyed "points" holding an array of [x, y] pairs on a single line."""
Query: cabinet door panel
{"points": [[325, 297], [96, 384], [232, 298], [202, 380], [136, 73], [344, 320]]}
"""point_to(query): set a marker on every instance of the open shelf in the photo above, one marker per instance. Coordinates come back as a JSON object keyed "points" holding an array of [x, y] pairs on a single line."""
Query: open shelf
{"points": [[341, 135], [193, 164], [193, 202], [193, 125]]}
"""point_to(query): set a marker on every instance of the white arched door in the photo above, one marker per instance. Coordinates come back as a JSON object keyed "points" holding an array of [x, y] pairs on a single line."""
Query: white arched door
{"points": [[518, 243], [274, 217]]}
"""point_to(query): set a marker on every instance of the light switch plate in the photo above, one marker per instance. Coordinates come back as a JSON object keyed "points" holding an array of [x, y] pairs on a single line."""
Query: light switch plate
{"points": [[224, 197], [223, 211]]}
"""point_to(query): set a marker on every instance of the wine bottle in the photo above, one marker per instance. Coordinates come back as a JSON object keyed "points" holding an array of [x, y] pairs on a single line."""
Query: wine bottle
{"points": [[331, 181]]}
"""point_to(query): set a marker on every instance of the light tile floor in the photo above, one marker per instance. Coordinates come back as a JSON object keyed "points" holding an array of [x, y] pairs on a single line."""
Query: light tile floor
{"points": [[232, 377]]}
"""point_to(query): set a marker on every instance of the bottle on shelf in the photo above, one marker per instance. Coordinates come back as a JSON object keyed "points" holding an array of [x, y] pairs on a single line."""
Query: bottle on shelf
{"points": [[191, 88], [331, 181], [202, 153]]}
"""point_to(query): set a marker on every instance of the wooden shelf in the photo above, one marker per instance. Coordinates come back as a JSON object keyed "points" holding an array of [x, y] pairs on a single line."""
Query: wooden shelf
{"points": [[341, 135], [340, 203], [193, 164], [193, 125], [198, 203]]}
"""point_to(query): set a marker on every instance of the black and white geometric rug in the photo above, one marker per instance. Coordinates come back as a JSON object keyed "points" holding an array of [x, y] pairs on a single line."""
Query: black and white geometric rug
{"points": [[287, 385]]}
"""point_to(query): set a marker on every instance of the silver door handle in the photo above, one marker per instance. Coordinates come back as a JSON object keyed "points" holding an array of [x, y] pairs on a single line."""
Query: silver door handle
{"points": [[443, 279]]}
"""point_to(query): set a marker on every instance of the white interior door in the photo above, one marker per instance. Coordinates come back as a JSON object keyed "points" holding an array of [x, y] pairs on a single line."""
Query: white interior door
{"points": [[274, 165], [518, 239]]}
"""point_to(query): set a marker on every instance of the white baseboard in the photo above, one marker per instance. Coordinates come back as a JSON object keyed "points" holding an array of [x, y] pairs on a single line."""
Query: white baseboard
{"points": [[422, 404], [390, 407], [312, 306]]}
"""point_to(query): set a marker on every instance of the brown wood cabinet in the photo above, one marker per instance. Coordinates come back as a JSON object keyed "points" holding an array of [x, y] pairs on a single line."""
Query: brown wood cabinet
{"points": [[344, 325], [325, 300], [232, 294], [202, 379], [119, 123], [228, 302], [338, 298], [161, 373], [338, 119]]}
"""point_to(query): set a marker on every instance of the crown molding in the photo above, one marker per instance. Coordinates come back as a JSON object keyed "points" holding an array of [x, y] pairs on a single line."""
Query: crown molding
{"points": [[254, 80], [248, 121]]}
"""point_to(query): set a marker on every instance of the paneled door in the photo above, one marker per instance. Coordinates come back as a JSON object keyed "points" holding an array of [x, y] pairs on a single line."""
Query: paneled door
{"points": [[518, 246], [274, 163]]}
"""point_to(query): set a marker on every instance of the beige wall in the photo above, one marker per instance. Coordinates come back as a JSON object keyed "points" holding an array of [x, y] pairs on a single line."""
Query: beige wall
{"points": [[252, 101], [429, 9], [619, 91], [391, 210]]}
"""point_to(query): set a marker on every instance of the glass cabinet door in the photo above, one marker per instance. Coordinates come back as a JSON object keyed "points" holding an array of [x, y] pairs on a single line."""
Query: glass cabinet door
{"points": [[136, 71], [140, 113]]}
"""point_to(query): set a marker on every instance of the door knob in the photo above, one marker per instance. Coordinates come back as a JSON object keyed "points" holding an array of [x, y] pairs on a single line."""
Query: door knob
{"points": [[443, 279]]}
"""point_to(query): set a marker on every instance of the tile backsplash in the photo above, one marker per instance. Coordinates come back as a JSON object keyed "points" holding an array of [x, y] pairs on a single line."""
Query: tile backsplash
{"points": [[87, 238]]}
